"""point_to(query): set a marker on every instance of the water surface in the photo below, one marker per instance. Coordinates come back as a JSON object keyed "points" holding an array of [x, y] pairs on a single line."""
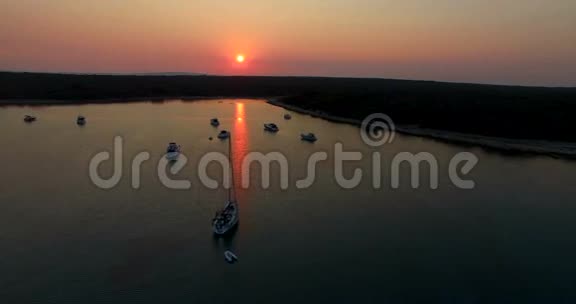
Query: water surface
{"points": [[64, 239]]}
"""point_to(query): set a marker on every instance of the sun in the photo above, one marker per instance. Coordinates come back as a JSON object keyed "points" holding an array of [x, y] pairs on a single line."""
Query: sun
{"points": [[240, 58]]}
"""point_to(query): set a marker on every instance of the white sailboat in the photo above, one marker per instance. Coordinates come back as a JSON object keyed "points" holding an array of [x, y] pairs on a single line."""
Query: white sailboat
{"points": [[227, 218]]}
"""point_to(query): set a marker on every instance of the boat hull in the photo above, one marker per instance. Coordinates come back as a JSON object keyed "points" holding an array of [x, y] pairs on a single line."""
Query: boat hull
{"points": [[223, 136], [270, 129], [308, 139], [230, 256], [172, 155], [228, 227]]}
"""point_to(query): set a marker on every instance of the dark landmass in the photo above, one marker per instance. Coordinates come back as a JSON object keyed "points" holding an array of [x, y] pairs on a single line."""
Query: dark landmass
{"points": [[491, 110]]}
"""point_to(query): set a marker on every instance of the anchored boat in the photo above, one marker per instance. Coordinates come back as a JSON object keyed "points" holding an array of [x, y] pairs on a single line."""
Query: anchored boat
{"points": [[29, 118], [223, 134], [227, 218], [309, 137], [230, 256], [270, 127], [173, 151]]}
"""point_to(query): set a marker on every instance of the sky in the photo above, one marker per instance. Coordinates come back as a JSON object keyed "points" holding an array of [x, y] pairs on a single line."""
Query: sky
{"points": [[525, 42]]}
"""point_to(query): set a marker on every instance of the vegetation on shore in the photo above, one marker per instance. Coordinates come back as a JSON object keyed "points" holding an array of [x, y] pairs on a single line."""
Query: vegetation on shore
{"points": [[503, 111]]}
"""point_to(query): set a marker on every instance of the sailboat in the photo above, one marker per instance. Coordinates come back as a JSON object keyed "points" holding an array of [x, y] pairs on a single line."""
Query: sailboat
{"points": [[227, 218]]}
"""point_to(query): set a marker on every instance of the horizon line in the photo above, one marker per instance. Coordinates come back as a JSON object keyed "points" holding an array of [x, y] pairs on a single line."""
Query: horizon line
{"points": [[193, 74]]}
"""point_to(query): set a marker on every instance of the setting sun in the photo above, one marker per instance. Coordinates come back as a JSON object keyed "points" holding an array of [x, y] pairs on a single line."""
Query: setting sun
{"points": [[240, 58]]}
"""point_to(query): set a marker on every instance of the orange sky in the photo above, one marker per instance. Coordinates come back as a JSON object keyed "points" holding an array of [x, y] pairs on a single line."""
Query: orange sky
{"points": [[529, 42]]}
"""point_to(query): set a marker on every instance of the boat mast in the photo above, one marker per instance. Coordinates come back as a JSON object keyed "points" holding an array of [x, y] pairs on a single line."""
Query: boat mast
{"points": [[232, 189]]}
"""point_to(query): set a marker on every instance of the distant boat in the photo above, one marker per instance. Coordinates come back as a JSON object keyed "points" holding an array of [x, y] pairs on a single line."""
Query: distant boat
{"points": [[214, 122], [81, 120], [223, 134], [230, 256], [287, 116], [309, 137], [29, 118], [173, 151], [227, 218], [271, 127]]}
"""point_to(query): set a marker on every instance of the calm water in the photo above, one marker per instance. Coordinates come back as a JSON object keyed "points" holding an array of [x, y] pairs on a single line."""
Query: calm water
{"points": [[63, 239]]}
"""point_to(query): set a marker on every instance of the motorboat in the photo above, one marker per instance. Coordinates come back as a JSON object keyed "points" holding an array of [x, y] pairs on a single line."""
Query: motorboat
{"points": [[214, 122], [271, 127], [173, 151], [287, 116], [309, 137], [29, 118], [227, 218], [230, 256], [223, 134], [81, 120]]}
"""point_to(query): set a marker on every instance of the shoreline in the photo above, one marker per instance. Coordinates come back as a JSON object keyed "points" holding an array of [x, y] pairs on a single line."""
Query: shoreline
{"points": [[73, 102], [552, 149], [528, 113]]}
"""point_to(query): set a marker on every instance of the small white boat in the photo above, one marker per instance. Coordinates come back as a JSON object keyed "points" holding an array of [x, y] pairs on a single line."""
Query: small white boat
{"points": [[230, 256], [81, 120], [29, 118], [287, 116], [271, 127], [173, 151], [309, 137], [214, 122], [223, 134]]}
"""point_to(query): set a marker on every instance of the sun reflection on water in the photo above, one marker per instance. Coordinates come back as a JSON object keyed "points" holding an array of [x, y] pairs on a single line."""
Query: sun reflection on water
{"points": [[239, 150]]}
